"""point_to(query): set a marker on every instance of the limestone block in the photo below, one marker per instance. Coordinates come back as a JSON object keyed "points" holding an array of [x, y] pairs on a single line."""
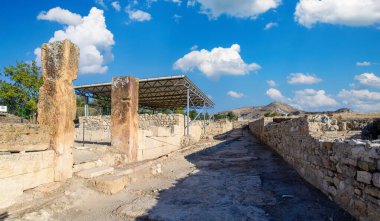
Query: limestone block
{"points": [[111, 184], [373, 191], [23, 163], [376, 180], [161, 131], [87, 165], [364, 177], [124, 116], [57, 102], [24, 137], [367, 166], [13, 187], [95, 172]]}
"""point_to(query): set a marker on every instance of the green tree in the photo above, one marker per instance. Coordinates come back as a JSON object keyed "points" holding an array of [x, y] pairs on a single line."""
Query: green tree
{"points": [[179, 110], [193, 114], [19, 86], [219, 116], [231, 116]]}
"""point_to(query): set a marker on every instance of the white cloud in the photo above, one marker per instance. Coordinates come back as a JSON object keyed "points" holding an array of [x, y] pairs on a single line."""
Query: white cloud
{"points": [[361, 100], [177, 18], [191, 3], [101, 3], [272, 83], [138, 15], [307, 99], [364, 63], [37, 53], [276, 95], [235, 94], [116, 6], [94, 40], [368, 79], [218, 61], [60, 15], [194, 47], [339, 12], [236, 8], [300, 78], [310, 99], [270, 25], [178, 2]]}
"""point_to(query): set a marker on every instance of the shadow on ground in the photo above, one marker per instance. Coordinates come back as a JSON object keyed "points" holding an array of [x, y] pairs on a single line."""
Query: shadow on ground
{"points": [[243, 179]]}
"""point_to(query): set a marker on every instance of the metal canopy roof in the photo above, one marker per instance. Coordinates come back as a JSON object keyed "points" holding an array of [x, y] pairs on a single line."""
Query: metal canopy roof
{"points": [[162, 92]]}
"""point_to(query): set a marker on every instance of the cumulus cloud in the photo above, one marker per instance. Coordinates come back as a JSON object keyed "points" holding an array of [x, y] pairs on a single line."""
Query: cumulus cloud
{"points": [[116, 6], [276, 95], [93, 38], [60, 15], [138, 15], [270, 25], [310, 99], [363, 63], [218, 61], [368, 79], [300, 78], [339, 12], [237, 8], [307, 99], [235, 94], [272, 83], [361, 100]]}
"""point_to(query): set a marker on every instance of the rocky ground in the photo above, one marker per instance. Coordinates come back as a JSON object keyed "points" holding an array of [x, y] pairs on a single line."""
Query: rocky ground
{"points": [[236, 179]]}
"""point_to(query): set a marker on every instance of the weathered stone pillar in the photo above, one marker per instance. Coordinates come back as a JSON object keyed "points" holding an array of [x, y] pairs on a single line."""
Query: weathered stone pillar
{"points": [[124, 117], [57, 103]]}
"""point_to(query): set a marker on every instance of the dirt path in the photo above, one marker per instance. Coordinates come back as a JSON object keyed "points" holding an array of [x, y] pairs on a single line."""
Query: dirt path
{"points": [[239, 179]]}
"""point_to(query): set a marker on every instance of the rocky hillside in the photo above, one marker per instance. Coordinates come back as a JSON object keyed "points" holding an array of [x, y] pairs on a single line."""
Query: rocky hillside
{"points": [[249, 113]]}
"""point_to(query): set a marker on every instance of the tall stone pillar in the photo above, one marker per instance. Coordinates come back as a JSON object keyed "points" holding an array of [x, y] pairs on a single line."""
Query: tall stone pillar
{"points": [[124, 116], [57, 102]]}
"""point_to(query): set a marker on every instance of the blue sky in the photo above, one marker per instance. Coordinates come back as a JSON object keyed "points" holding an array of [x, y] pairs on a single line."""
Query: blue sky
{"points": [[321, 55]]}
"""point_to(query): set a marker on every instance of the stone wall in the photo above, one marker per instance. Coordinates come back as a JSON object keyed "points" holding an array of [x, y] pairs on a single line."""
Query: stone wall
{"points": [[25, 160], [23, 137], [98, 128], [348, 171], [159, 134], [10, 118]]}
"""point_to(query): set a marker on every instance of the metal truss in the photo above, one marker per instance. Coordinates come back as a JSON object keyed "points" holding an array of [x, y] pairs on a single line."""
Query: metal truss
{"points": [[163, 92], [158, 93]]}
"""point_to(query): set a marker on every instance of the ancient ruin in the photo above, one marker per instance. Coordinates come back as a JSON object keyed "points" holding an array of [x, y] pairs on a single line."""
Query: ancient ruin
{"points": [[57, 103], [124, 115], [169, 166]]}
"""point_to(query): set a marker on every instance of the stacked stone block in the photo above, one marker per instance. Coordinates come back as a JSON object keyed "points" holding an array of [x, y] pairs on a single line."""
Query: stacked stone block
{"points": [[347, 171]]}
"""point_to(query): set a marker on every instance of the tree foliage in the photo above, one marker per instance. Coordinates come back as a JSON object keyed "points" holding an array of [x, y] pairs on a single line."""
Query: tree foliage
{"points": [[230, 116], [19, 86]]}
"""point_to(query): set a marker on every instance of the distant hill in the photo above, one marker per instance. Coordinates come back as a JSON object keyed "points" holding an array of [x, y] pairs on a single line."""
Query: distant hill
{"points": [[249, 113]]}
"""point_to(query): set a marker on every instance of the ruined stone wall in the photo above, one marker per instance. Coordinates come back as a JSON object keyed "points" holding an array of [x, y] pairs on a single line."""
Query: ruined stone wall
{"points": [[348, 171], [98, 128], [26, 160], [159, 134]]}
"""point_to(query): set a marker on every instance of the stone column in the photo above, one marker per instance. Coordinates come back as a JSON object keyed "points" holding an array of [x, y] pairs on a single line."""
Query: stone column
{"points": [[124, 116], [57, 102]]}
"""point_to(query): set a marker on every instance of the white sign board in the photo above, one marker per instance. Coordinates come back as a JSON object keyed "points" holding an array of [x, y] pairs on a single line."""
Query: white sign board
{"points": [[3, 109]]}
